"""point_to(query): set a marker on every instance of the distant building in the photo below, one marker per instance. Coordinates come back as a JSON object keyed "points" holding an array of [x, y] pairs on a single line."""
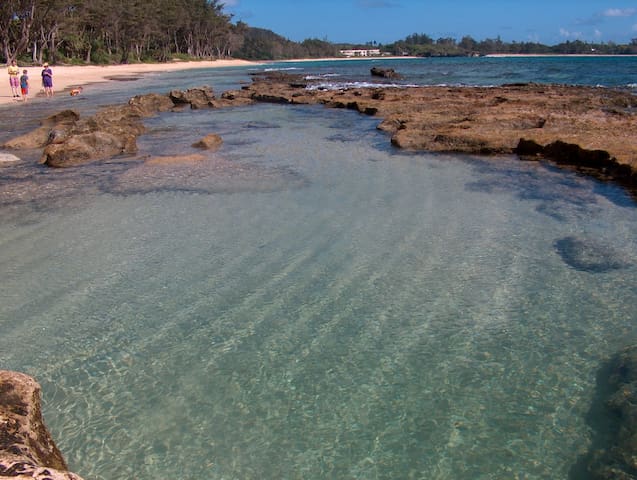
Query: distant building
{"points": [[372, 52]]}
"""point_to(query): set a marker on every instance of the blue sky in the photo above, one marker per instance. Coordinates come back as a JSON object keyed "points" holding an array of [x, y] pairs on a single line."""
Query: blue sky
{"points": [[384, 21]]}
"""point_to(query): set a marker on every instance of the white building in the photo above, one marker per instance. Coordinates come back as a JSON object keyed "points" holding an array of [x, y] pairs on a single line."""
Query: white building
{"points": [[372, 52]]}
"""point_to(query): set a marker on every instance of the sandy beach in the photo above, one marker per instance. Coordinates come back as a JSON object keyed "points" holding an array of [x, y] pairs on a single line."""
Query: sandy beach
{"points": [[67, 77]]}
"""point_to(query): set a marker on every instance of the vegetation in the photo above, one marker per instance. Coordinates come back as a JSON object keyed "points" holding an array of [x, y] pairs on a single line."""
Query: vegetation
{"points": [[121, 31], [260, 44], [106, 31], [424, 45]]}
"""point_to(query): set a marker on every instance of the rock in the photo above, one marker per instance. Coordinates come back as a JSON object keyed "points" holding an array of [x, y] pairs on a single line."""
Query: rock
{"points": [[618, 459], [211, 141], [111, 131], [384, 73], [65, 117], [150, 104], [588, 256], [85, 148], [201, 97], [584, 127], [40, 137], [37, 138], [27, 450], [8, 158], [529, 148]]}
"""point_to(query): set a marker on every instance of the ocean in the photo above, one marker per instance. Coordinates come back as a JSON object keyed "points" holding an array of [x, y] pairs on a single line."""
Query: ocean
{"points": [[312, 303]]}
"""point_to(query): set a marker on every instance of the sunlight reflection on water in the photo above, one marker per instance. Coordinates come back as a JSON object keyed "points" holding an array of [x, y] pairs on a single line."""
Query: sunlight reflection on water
{"points": [[309, 306]]}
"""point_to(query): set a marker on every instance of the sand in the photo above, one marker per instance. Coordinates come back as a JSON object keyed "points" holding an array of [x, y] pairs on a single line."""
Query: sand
{"points": [[67, 77]]}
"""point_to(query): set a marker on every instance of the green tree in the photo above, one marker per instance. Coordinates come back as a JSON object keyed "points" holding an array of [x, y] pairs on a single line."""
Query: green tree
{"points": [[16, 19]]}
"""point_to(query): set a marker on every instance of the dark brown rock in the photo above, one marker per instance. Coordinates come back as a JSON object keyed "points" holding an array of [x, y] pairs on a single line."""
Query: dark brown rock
{"points": [[111, 131], [88, 147], [27, 450], [150, 104], [201, 97], [384, 73]]}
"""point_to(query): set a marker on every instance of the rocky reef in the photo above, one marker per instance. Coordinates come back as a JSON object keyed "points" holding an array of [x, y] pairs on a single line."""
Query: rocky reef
{"points": [[68, 140], [27, 450], [587, 128]]}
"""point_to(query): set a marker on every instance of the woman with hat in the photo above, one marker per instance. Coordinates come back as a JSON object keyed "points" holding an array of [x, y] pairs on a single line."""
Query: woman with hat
{"points": [[47, 80]]}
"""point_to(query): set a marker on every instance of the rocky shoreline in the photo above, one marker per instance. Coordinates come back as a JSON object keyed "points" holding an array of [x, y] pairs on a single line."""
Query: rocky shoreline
{"points": [[592, 129], [27, 450], [589, 129]]}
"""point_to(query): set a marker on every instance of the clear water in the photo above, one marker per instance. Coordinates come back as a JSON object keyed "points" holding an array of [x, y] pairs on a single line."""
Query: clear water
{"points": [[483, 71], [309, 303]]}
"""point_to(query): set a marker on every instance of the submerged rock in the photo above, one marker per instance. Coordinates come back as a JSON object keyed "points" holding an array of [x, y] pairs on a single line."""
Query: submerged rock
{"points": [[211, 141], [618, 458], [588, 256], [27, 450]]}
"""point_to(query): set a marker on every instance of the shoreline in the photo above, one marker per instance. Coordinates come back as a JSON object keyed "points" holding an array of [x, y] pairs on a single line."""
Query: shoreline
{"points": [[561, 55], [66, 77]]}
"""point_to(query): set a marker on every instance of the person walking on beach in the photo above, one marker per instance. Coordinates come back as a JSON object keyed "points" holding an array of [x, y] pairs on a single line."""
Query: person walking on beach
{"points": [[47, 80], [14, 72], [24, 85]]}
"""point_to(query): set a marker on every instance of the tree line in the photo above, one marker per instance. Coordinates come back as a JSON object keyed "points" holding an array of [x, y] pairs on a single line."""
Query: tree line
{"points": [[425, 46], [114, 31], [122, 31]]}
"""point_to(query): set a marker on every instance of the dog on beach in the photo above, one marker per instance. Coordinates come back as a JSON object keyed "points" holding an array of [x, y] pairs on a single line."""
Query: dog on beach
{"points": [[76, 91]]}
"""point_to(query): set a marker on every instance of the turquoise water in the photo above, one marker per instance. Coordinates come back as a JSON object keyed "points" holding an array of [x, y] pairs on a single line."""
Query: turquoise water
{"points": [[310, 303]]}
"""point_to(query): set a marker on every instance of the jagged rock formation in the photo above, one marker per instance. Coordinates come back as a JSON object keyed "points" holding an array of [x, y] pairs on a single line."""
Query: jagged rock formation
{"points": [[592, 129], [589, 127], [27, 450], [68, 140]]}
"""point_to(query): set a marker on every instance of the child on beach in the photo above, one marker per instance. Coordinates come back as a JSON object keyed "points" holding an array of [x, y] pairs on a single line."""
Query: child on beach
{"points": [[24, 85]]}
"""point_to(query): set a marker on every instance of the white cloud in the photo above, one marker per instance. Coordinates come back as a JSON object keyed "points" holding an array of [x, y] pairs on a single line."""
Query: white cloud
{"points": [[230, 3], [620, 12], [598, 34], [568, 34]]}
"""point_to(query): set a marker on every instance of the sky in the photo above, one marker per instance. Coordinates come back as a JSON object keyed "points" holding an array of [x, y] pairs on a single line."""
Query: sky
{"points": [[385, 21]]}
